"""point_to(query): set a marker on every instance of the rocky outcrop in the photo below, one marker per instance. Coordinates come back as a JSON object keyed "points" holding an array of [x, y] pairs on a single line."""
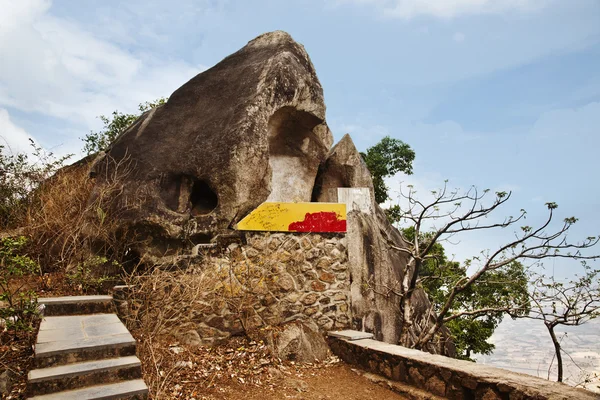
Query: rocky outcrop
{"points": [[250, 129], [344, 168]]}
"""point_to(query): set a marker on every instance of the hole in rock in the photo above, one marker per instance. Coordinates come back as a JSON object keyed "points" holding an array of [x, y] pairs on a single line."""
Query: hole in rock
{"points": [[201, 238], [204, 200]]}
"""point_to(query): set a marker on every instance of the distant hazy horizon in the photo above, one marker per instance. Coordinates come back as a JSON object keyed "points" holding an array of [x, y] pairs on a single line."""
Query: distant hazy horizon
{"points": [[524, 346]]}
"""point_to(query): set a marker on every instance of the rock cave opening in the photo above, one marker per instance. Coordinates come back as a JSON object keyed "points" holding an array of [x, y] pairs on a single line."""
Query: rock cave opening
{"points": [[185, 193], [292, 148], [201, 238], [202, 198]]}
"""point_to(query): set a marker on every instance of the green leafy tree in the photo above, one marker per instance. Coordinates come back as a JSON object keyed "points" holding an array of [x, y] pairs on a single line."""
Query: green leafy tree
{"points": [[385, 159], [114, 125]]}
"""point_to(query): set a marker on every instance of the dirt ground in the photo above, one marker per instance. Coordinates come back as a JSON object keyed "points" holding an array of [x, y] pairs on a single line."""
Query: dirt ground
{"points": [[337, 382], [16, 355], [244, 369]]}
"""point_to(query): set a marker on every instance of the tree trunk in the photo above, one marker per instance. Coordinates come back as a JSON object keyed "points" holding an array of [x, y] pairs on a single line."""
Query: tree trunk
{"points": [[557, 351], [406, 306], [407, 321]]}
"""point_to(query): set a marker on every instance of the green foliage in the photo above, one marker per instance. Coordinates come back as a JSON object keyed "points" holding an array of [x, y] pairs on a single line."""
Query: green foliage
{"points": [[470, 336], [20, 175], [385, 159], [86, 278], [18, 306], [504, 287], [114, 125]]}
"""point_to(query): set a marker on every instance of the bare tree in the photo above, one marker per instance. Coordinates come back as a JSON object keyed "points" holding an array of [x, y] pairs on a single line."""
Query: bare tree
{"points": [[451, 213], [566, 304]]}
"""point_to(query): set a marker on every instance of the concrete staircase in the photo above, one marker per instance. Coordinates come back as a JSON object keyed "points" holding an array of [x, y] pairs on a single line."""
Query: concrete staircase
{"points": [[83, 351]]}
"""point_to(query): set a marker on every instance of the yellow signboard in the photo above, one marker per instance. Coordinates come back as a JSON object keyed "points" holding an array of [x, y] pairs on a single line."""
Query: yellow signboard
{"points": [[296, 217]]}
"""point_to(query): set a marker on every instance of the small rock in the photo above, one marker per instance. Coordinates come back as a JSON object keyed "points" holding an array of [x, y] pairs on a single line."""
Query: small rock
{"points": [[310, 298], [183, 364], [324, 262], [297, 384], [286, 282], [5, 382], [328, 277], [318, 286]]}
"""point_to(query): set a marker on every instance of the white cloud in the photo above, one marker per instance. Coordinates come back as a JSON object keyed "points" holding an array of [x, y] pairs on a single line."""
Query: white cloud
{"points": [[14, 138], [58, 68], [448, 9]]}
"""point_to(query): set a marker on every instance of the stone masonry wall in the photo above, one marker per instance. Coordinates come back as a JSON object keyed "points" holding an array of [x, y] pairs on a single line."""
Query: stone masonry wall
{"points": [[449, 378], [267, 280], [310, 276]]}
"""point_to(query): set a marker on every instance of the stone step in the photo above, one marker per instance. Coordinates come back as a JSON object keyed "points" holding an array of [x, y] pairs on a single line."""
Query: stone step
{"points": [[76, 305], [69, 339], [134, 389], [78, 375]]}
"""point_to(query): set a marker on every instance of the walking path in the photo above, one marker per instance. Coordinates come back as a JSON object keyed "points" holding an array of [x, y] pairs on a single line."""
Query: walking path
{"points": [[83, 351]]}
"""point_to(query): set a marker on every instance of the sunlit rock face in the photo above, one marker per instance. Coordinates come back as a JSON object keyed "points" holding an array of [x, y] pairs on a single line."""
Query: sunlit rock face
{"points": [[250, 129]]}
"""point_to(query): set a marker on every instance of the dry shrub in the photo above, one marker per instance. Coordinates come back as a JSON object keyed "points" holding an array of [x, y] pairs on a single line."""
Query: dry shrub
{"points": [[159, 301], [162, 299], [167, 298], [166, 304], [72, 219]]}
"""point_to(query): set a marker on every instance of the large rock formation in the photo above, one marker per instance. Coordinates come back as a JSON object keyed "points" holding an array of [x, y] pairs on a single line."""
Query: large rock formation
{"points": [[250, 129]]}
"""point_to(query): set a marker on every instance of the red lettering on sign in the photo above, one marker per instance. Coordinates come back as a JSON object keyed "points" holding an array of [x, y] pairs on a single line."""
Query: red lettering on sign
{"points": [[325, 221]]}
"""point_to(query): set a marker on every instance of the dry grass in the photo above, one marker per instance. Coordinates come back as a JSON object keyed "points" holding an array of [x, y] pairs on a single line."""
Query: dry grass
{"points": [[72, 218], [168, 303], [159, 304], [160, 300]]}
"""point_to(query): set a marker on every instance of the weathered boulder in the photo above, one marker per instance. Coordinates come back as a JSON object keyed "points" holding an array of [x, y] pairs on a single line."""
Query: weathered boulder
{"points": [[250, 129], [298, 341], [343, 168]]}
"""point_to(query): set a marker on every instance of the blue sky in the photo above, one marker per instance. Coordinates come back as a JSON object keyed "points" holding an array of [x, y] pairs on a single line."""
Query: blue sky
{"points": [[502, 94]]}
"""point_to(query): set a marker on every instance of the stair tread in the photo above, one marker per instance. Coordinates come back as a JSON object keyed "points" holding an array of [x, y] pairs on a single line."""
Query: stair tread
{"points": [[65, 334], [99, 392], [74, 299], [68, 370], [67, 346], [60, 328]]}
